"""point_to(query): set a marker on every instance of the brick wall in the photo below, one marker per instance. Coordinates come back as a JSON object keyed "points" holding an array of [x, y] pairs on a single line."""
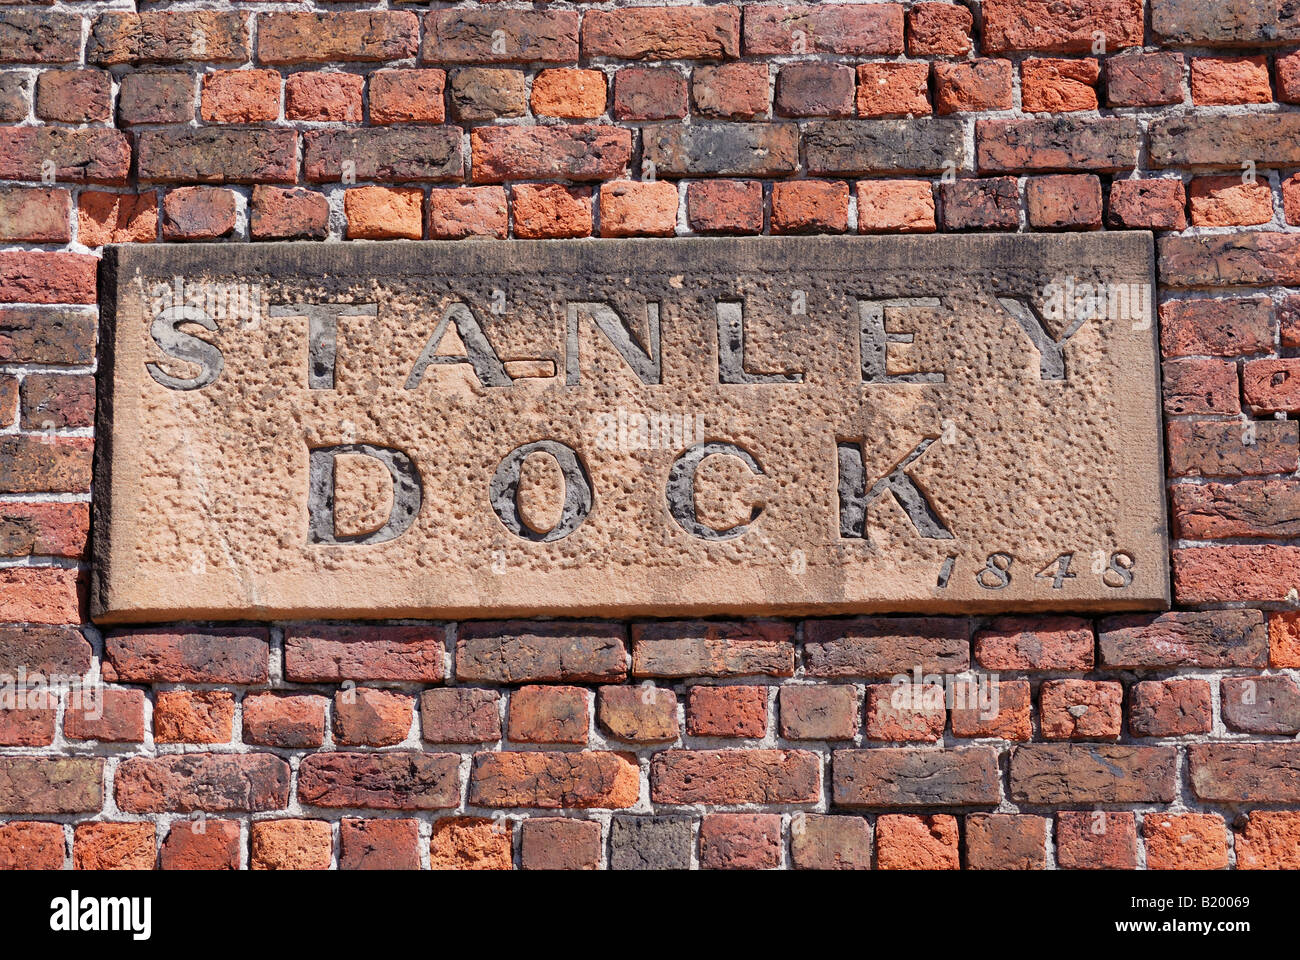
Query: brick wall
{"points": [[1157, 741]]}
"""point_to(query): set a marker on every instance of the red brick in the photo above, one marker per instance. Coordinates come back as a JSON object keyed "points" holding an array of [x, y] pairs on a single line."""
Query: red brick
{"points": [[540, 714], [44, 649], [1081, 710], [1185, 841], [732, 711], [1248, 508], [459, 212], [938, 29], [1244, 258], [116, 218], [735, 776], [1226, 80], [1221, 327], [392, 780], [56, 400], [218, 155], [640, 714], [161, 655], [1265, 705], [326, 653], [44, 529], [31, 845], [731, 91], [1058, 143], [288, 214], [1006, 841], [1270, 840], [1228, 573], [78, 156], [29, 723], [492, 36], [663, 33], [37, 276], [407, 96], [569, 93], [973, 85], [815, 90], [551, 780], [1052, 26], [725, 206], [895, 206], [559, 843], [156, 96], [541, 153], [740, 841], [51, 784], [1193, 385], [1211, 448], [1007, 719], [39, 594], [649, 93], [109, 715], [854, 29], [1096, 840], [1291, 199], [992, 203], [240, 96], [198, 213], [1056, 86], [633, 208], [470, 843], [551, 211], [15, 96], [284, 720], [1144, 79], [829, 842], [74, 96], [384, 213], [201, 845], [1229, 202], [1064, 202], [326, 97], [820, 712], [366, 716], [39, 36], [168, 36], [460, 715], [713, 648], [1271, 385], [193, 716], [905, 712], [892, 89], [528, 651], [379, 844], [1288, 77], [1170, 708], [1209, 638], [356, 35], [113, 846], [881, 647], [810, 206], [485, 93], [44, 464], [290, 845], [910, 842], [1147, 204], [1284, 639]]}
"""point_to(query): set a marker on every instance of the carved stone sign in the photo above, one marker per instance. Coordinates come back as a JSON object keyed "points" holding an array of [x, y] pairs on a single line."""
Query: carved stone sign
{"points": [[630, 427]]}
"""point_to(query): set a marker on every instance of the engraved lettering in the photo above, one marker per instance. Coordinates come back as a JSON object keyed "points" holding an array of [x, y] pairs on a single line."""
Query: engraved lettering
{"points": [[408, 494], [179, 345]]}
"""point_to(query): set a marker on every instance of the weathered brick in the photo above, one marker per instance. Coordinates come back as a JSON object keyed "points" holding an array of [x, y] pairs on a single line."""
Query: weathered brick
{"points": [[328, 653], [1229, 573], [640, 714], [1081, 710], [104, 218], [1056, 86], [830, 843], [1053, 26], [1096, 840], [650, 843], [78, 156], [1064, 202], [15, 95], [521, 651], [649, 93], [1223, 24], [290, 845], [1170, 708], [384, 213], [28, 724], [549, 153], [162, 655], [1057, 773], [470, 843], [193, 716], [551, 211], [1270, 840], [1288, 77], [712, 648], [201, 845], [926, 146], [1212, 638], [1283, 638], [39, 594], [44, 650], [810, 206], [1035, 643], [74, 96], [1193, 385], [240, 96], [1245, 772], [735, 776], [51, 784], [379, 844], [1268, 704], [1212, 448], [977, 714], [1219, 81], [725, 206], [39, 276], [168, 36], [911, 842], [113, 846], [39, 36], [1185, 841], [1006, 841], [633, 208], [886, 777], [486, 93], [405, 96], [990, 203], [854, 29], [972, 85], [819, 712], [1248, 508], [550, 780], [540, 714], [460, 715], [292, 213], [384, 153], [938, 29], [1067, 144], [1291, 199], [32, 845], [663, 33], [1229, 201], [1147, 204], [884, 646], [815, 90], [559, 843], [156, 96], [569, 93], [355, 35], [217, 155], [333, 97], [215, 782], [106, 714], [1221, 327], [459, 212], [721, 149], [905, 712], [398, 780], [731, 91], [893, 89], [1271, 385], [740, 841], [57, 400], [370, 717], [730, 711], [895, 206], [489, 36], [1267, 139], [284, 720], [198, 213], [1144, 79]]}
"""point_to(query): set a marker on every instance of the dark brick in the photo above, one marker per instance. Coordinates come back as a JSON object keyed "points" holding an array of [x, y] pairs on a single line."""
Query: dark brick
{"points": [[991, 203], [1213, 638], [328, 653], [39, 36], [168, 36], [1057, 773], [1213, 448], [399, 780], [1248, 508], [460, 715], [217, 155], [884, 146], [47, 335], [735, 776], [156, 97], [1261, 704], [1245, 772], [1268, 139], [163, 655], [36, 465], [183, 783], [466, 36], [1066, 144], [1194, 23], [43, 649], [722, 149], [1170, 708], [79, 156], [885, 646], [830, 843], [51, 784], [1144, 79], [887, 777], [521, 651], [559, 843], [384, 153], [573, 152], [650, 843], [1005, 841], [815, 90]]}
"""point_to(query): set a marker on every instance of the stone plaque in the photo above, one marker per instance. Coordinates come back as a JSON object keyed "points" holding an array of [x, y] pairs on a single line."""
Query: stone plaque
{"points": [[629, 427]]}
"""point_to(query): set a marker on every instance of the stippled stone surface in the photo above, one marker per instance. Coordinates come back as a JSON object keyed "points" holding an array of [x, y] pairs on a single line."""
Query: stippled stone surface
{"points": [[629, 427]]}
